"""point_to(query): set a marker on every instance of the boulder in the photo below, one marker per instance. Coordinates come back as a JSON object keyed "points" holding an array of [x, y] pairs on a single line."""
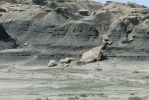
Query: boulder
{"points": [[92, 55], [66, 60], [52, 63]]}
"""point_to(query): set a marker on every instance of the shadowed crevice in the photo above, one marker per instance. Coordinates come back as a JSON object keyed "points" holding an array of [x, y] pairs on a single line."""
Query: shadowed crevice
{"points": [[3, 34]]}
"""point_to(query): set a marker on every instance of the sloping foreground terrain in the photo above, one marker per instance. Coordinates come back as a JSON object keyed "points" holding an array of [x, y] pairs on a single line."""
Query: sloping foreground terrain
{"points": [[32, 32]]}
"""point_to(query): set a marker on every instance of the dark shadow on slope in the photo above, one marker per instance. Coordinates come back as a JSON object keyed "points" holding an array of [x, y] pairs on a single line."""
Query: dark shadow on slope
{"points": [[3, 34]]}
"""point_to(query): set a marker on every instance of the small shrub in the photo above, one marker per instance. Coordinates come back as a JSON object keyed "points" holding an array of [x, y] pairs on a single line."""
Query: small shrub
{"points": [[135, 98], [73, 98], [39, 2]]}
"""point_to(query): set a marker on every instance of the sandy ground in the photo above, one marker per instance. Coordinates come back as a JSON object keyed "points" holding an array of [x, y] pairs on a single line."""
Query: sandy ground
{"points": [[112, 79]]}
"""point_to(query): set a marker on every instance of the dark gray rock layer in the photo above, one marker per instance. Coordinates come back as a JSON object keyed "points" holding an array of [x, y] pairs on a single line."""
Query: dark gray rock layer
{"points": [[62, 31]]}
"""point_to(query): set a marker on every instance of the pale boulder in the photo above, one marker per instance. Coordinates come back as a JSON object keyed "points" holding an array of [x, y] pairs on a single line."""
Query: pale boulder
{"points": [[52, 63], [92, 55], [67, 60]]}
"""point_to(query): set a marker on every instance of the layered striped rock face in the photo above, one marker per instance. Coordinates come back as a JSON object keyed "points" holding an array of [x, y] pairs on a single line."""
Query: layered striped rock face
{"points": [[60, 1], [61, 30]]}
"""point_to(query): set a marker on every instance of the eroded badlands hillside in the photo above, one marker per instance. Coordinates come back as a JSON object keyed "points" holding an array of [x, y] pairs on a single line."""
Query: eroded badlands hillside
{"points": [[62, 28]]}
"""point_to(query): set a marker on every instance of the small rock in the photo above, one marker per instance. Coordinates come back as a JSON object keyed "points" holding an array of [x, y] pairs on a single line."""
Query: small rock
{"points": [[10, 20], [106, 40], [65, 65], [52, 63], [25, 44], [67, 60], [84, 12]]}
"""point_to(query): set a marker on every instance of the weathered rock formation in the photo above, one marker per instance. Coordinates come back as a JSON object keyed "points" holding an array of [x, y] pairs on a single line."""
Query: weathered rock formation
{"points": [[56, 29]]}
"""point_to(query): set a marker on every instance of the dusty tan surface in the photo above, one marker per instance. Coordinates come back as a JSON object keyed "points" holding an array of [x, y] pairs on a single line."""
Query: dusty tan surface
{"points": [[107, 80]]}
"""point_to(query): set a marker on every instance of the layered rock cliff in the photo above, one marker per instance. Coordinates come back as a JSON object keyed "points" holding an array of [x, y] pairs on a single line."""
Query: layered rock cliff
{"points": [[57, 29]]}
